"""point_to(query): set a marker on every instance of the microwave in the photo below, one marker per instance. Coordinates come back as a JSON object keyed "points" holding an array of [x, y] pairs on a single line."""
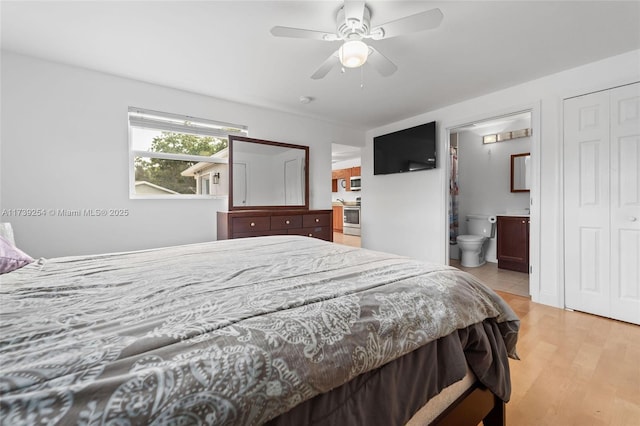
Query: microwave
{"points": [[355, 183]]}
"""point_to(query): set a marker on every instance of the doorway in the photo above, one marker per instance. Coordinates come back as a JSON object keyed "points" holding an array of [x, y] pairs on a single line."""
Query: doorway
{"points": [[346, 199], [480, 177]]}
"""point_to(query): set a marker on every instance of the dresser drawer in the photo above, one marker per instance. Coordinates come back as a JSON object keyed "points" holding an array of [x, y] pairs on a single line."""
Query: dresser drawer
{"points": [[255, 234], [319, 219], [251, 224], [255, 223], [322, 232], [286, 222]]}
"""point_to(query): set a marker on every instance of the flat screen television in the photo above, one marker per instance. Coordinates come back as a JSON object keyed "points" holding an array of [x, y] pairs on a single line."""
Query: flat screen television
{"points": [[406, 150]]}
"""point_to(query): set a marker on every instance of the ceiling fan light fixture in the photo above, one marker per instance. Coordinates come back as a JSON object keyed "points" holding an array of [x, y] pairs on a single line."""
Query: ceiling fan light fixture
{"points": [[353, 53]]}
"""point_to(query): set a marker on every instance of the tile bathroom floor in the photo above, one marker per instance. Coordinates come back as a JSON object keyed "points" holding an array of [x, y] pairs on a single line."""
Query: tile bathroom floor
{"points": [[498, 279]]}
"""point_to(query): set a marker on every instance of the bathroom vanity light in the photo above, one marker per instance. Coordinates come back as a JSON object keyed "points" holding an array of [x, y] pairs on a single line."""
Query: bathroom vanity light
{"points": [[489, 139], [505, 136]]}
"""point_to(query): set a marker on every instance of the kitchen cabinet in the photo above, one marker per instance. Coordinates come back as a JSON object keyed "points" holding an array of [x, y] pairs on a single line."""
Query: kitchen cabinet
{"points": [[343, 174], [256, 223], [513, 243], [337, 218]]}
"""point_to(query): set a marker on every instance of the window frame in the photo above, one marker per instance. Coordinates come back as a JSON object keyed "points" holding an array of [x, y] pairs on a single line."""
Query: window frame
{"points": [[176, 123], [205, 178]]}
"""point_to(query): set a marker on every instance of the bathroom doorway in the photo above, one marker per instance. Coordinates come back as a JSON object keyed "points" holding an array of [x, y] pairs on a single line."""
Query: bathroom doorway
{"points": [[481, 182]]}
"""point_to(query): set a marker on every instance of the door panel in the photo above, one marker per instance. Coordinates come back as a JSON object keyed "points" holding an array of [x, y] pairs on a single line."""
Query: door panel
{"points": [[629, 266], [625, 203], [586, 189], [590, 173], [591, 242]]}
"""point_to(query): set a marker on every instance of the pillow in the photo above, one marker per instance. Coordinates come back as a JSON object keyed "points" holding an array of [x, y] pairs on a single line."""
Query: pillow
{"points": [[6, 232], [12, 258]]}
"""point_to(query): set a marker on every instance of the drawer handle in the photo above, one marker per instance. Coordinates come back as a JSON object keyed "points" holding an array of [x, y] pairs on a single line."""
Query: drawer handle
{"points": [[287, 222], [317, 220], [253, 224], [311, 235], [523, 221]]}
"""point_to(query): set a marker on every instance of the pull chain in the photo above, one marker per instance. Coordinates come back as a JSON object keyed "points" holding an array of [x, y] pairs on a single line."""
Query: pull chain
{"points": [[362, 77]]}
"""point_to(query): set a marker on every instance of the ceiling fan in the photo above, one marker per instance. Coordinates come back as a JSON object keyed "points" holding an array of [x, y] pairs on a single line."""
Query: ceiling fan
{"points": [[353, 25]]}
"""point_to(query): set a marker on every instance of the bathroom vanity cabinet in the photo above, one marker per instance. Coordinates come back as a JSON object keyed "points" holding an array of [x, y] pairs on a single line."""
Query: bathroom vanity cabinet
{"points": [[513, 243]]}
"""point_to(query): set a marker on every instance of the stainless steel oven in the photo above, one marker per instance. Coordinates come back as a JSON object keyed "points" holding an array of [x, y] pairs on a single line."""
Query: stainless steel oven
{"points": [[351, 220]]}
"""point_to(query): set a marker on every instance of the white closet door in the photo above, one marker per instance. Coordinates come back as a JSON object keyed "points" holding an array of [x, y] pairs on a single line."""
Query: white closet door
{"points": [[586, 209], [625, 203], [602, 203]]}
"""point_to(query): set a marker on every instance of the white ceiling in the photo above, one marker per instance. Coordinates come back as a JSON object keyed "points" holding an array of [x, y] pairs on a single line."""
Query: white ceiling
{"points": [[224, 49], [341, 152]]}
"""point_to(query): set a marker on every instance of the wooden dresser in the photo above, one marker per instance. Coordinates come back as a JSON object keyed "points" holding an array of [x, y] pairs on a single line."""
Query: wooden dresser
{"points": [[256, 223]]}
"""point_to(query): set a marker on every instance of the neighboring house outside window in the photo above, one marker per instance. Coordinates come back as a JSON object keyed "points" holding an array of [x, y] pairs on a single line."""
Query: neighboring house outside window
{"points": [[147, 188], [211, 178], [176, 156]]}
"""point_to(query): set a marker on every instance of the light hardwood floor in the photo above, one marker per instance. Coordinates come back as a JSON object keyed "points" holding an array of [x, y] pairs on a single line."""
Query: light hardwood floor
{"points": [[575, 368], [348, 240]]}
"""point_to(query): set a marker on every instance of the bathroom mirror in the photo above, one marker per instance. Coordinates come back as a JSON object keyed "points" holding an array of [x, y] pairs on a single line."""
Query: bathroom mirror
{"points": [[267, 175], [520, 172]]}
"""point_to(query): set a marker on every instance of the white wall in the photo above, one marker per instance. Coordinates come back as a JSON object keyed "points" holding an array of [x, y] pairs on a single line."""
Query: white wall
{"points": [[406, 213], [485, 177], [485, 174], [346, 164], [64, 146]]}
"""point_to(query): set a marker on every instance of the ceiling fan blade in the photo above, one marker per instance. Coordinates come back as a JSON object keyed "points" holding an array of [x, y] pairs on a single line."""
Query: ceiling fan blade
{"points": [[326, 66], [354, 12], [381, 63], [300, 33], [409, 24]]}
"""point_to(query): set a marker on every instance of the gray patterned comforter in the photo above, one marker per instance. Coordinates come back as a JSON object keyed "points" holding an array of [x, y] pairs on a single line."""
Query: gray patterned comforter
{"points": [[228, 332]]}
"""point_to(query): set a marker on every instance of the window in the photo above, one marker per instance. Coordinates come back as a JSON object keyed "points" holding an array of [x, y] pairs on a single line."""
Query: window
{"points": [[205, 184], [174, 156]]}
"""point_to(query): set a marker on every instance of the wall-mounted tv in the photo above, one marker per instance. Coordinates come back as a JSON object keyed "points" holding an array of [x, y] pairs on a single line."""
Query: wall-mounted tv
{"points": [[406, 150]]}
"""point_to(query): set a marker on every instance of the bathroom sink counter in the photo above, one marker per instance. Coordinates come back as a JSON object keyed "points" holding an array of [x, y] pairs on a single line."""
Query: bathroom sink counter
{"points": [[513, 214]]}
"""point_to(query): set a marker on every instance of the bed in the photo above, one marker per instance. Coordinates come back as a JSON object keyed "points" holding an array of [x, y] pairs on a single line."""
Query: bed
{"points": [[282, 330]]}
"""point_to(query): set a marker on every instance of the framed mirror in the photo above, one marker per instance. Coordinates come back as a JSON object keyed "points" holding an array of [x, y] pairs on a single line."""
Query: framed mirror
{"points": [[267, 175], [520, 172]]}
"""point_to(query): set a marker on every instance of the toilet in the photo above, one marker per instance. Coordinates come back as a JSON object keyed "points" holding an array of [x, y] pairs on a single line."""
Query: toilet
{"points": [[472, 246]]}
